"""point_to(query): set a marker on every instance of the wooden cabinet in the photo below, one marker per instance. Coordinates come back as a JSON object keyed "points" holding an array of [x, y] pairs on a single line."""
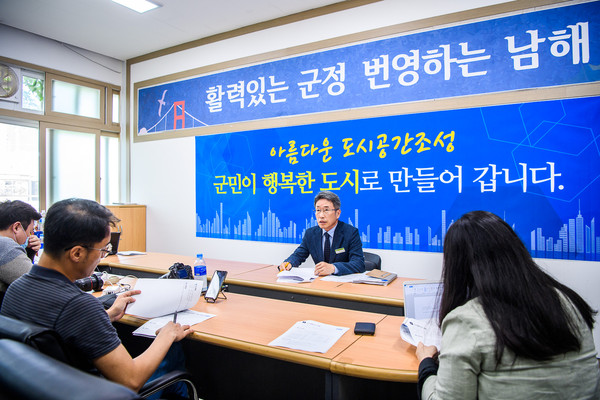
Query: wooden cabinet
{"points": [[132, 226]]}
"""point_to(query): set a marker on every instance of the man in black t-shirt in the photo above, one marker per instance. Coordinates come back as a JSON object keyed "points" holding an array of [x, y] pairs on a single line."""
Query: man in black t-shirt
{"points": [[76, 235]]}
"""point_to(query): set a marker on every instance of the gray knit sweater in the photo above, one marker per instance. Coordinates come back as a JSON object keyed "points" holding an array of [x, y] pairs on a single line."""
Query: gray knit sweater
{"points": [[13, 262]]}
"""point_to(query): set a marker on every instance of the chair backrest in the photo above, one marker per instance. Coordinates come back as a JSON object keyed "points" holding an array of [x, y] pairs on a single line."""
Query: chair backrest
{"points": [[25, 373], [372, 261], [40, 338]]}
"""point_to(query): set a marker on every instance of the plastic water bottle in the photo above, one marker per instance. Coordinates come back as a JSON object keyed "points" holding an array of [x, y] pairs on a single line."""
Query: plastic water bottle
{"points": [[200, 271]]}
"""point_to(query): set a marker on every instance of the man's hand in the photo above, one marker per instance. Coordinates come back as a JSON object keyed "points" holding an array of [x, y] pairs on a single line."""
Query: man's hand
{"points": [[324, 268], [117, 310], [178, 331], [425, 351], [285, 266], [35, 244]]}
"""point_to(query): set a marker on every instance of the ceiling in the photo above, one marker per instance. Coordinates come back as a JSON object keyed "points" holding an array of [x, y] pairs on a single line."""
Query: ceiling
{"points": [[110, 29]]}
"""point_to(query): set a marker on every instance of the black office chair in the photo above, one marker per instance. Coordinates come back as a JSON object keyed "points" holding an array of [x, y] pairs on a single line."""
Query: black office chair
{"points": [[25, 373], [372, 261], [47, 341]]}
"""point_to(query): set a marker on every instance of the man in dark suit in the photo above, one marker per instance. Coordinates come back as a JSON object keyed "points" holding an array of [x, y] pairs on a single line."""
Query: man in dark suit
{"points": [[335, 247]]}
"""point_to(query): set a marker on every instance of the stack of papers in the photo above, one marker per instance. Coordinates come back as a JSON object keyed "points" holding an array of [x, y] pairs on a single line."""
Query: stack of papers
{"points": [[131, 253], [310, 336], [188, 317], [427, 331], [297, 275], [376, 277]]}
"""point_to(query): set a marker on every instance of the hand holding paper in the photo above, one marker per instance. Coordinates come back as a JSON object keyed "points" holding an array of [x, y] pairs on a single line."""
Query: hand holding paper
{"points": [[164, 296], [426, 331]]}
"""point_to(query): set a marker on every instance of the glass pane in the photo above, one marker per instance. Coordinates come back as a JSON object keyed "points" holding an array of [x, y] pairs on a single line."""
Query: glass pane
{"points": [[75, 99], [115, 108], [33, 93], [72, 167], [19, 164], [109, 170]]}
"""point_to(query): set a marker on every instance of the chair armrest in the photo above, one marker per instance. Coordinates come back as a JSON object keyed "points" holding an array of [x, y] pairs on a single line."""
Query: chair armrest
{"points": [[168, 379]]}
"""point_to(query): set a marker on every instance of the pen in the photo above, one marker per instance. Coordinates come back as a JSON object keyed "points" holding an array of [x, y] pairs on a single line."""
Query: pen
{"points": [[175, 317]]}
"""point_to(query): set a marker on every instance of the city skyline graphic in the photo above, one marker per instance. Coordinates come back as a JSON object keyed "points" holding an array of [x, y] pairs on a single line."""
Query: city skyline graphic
{"points": [[575, 239]]}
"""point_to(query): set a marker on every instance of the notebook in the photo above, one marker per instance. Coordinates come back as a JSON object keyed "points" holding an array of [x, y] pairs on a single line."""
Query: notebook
{"points": [[421, 299]]}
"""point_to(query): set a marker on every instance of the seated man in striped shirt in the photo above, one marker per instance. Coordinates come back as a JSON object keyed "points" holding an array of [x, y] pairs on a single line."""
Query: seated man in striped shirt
{"points": [[76, 235]]}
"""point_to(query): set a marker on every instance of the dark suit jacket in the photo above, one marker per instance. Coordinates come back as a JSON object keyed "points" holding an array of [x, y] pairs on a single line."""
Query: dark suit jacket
{"points": [[349, 257]]}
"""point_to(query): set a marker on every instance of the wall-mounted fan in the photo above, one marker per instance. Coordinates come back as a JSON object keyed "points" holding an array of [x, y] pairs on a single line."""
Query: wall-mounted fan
{"points": [[9, 82]]}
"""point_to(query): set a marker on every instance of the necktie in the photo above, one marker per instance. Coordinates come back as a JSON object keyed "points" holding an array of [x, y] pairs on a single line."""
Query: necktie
{"points": [[327, 248]]}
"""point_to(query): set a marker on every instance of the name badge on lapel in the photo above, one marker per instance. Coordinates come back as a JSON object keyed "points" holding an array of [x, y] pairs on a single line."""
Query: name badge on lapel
{"points": [[340, 250]]}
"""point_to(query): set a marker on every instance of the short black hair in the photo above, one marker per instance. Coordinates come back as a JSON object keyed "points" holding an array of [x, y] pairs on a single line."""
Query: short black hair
{"points": [[332, 197], [74, 222], [17, 211]]}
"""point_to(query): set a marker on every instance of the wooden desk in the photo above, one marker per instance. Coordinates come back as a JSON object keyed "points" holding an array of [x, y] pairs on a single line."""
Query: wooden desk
{"points": [[153, 265], [250, 323], [231, 356], [261, 280], [384, 356], [373, 298]]}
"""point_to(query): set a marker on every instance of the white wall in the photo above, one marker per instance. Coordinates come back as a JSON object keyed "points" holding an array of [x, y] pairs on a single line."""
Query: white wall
{"points": [[38, 50]]}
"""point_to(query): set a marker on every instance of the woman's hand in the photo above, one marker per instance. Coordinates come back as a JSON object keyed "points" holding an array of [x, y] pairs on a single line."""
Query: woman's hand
{"points": [[425, 351]]}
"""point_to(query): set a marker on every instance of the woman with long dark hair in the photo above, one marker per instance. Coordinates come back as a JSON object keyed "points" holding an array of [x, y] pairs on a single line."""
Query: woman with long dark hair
{"points": [[509, 330]]}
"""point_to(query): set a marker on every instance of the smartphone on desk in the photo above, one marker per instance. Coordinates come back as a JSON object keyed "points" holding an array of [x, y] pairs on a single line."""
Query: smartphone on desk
{"points": [[216, 286]]}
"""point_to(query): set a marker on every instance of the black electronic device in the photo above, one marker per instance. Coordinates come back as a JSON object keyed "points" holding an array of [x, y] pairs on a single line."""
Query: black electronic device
{"points": [[216, 286], [178, 271], [93, 282], [115, 237], [364, 328]]}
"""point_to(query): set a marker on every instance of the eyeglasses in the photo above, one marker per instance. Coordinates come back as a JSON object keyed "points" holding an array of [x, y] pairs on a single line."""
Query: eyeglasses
{"points": [[103, 251], [325, 211]]}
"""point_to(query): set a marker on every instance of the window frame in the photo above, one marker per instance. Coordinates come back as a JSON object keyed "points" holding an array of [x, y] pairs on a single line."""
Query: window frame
{"points": [[48, 100], [109, 106], [48, 119]]}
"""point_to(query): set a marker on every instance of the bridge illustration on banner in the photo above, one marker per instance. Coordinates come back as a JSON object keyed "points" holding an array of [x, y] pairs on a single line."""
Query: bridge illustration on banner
{"points": [[173, 119]]}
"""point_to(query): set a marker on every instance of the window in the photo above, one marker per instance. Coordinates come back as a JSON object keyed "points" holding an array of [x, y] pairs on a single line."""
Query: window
{"points": [[71, 164], [33, 91], [75, 99], [59, 138], [109, 169], [115, 107], [19, 161]]}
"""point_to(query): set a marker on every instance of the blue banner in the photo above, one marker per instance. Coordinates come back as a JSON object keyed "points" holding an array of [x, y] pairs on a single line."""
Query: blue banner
{"points": [[404, 179], [552, 47]]}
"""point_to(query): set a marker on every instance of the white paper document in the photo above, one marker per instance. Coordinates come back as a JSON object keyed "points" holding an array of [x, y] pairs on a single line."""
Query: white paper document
{"points": [[310, 336], [188, 317], [131, 253], [297, 275], [343, 278], [360, 277], [427, 331], [164, 296]]}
